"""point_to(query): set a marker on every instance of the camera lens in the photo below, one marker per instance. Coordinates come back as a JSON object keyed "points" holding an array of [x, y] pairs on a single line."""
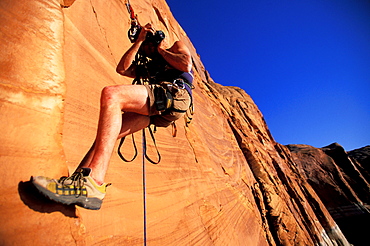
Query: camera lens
{"points": [[155, 38]]}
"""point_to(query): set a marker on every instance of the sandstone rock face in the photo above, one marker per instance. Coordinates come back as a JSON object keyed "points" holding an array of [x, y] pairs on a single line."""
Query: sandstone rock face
{"points": [[342, 184], [222, 181]]}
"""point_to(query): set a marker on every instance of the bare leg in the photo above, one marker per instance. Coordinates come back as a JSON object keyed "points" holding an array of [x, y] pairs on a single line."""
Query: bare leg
{"points": [[131, 123], [88, 157], [114, 100]]}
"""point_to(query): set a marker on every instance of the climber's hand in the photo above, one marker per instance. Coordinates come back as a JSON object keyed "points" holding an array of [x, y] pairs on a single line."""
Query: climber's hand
{"points": [[144, 30]]}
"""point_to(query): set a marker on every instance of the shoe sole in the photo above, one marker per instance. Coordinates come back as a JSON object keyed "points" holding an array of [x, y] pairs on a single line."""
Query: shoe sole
{"points": [[85, 202]]}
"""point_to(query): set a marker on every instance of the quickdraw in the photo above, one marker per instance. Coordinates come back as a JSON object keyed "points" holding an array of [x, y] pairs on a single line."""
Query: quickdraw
{"points": [[134, 31]]}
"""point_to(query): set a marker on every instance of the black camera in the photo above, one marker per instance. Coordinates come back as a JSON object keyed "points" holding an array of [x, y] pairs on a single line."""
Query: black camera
{"points": [[155, 38], [134, 31]]}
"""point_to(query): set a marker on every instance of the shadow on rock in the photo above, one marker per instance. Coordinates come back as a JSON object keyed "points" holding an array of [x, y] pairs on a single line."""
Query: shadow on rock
{"points": [[38, 202], [356, 229]]}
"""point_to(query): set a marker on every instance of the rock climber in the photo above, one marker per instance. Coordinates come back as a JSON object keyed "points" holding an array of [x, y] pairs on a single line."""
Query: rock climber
{"points": [[125, 109]]}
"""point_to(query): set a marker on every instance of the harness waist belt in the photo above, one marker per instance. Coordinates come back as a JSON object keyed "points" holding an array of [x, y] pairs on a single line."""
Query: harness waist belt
{"points": [[188, 81]]}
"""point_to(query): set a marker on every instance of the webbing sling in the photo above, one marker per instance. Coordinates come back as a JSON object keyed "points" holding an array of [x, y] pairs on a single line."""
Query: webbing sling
{"points": [[119, 149], [144, 149]]}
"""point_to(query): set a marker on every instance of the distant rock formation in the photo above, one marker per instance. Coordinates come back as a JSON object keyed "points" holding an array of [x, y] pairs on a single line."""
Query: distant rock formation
{"points": [[342, 182], [361, 158], [222, 181]]}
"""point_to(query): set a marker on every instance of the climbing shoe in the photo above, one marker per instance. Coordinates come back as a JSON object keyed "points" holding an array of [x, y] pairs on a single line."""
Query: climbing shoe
{"points": [[78, 189]]}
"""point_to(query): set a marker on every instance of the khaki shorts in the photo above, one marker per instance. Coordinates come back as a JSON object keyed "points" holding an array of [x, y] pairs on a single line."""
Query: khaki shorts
{"points": [[181, 101]]}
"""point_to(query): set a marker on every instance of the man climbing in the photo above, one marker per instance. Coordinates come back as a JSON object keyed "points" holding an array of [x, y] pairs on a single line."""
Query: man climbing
{"points": [[125, 109]]}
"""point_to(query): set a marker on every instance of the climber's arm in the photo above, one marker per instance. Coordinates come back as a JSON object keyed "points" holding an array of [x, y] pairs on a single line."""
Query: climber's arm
{"points": [[178, 56], [125, 66]]}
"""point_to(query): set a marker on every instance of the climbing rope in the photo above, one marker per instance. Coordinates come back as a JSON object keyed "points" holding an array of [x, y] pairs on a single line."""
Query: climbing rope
{"points": [[144, 184]]}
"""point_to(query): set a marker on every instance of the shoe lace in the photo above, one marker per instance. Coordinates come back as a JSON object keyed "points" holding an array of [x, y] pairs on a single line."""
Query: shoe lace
{"points": [[77, 181]]}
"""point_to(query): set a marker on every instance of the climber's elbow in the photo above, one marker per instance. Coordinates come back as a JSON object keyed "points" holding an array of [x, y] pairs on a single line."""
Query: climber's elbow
{"points": [[187, 64], [120, 71], [129, 72], [188, 68]]}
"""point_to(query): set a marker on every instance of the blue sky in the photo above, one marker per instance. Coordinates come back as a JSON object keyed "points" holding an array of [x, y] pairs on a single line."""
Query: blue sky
{"points": [[305, 63]]}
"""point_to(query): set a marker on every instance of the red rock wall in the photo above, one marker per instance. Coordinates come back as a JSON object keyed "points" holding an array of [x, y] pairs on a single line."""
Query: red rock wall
{"points": [[222, 181], [32, 90]]}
